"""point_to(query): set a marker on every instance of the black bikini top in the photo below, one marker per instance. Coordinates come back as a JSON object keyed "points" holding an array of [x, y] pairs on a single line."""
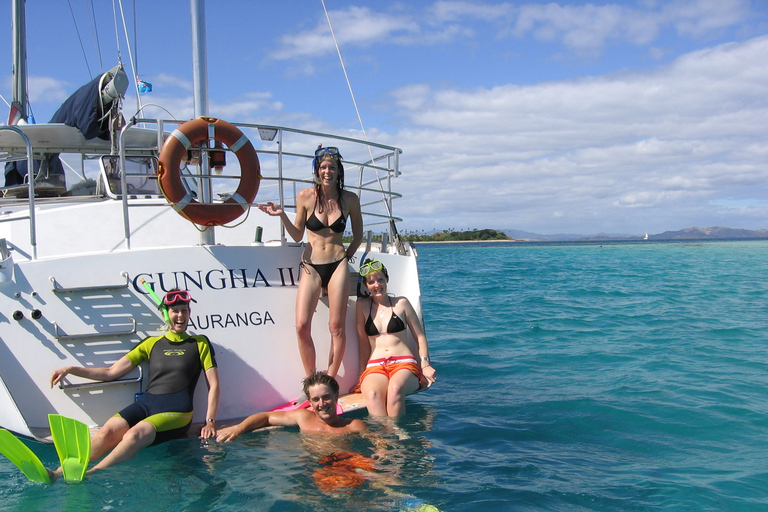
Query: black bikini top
{"points": [[395, 324], [314, 224]]}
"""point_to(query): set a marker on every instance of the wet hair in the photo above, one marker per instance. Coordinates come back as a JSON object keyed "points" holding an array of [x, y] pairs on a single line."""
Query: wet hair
{"points": [[339, 180], [320, 378], [382, 271]]}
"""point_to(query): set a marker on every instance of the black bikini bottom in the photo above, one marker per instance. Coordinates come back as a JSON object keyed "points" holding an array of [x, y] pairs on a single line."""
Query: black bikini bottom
{"points": [[324, 270]]}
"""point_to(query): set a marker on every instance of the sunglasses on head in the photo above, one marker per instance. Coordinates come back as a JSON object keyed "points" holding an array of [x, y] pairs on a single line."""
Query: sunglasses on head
{"points": [[371, 266], [176, 296]]}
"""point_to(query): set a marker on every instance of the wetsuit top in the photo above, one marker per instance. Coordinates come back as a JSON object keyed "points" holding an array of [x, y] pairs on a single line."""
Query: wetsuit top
{"points": [[395, 324], [314, 224], [175, 361]]}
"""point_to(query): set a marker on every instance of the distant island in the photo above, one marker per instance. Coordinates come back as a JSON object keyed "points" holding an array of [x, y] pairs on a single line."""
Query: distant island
{"points": [[449, 235], [717, 232], [474, 235], [694, 233]]}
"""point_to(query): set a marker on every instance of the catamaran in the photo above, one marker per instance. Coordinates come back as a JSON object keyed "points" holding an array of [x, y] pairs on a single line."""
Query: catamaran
{"points": [[78, 258]]}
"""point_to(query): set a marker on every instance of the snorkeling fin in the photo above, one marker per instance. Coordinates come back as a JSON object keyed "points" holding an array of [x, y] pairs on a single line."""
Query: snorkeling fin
{"points": [[20, 454], [72, 440]]}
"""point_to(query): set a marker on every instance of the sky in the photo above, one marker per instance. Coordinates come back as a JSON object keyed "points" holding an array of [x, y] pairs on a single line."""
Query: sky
{"points": [[623, 117]]}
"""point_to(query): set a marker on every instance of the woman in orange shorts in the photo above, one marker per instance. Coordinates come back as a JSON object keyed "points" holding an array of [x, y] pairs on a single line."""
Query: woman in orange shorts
{"points": [[390, 369]]}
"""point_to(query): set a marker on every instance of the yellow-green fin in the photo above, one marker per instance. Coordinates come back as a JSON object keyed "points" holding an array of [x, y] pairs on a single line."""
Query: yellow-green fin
{"points": [[72, 440], [20, 454]]}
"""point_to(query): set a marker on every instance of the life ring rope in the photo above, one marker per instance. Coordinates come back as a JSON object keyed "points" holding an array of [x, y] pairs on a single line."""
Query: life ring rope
{"points": [[175, 147]]}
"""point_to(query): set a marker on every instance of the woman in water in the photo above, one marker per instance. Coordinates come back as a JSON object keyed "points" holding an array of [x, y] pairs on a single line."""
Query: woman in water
{"points": [[390, 369], [323, 210], [164, 411]]}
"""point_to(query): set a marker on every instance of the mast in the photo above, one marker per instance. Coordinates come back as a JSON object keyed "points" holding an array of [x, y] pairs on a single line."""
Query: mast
{"points": [[20, 57], [200, 81]]}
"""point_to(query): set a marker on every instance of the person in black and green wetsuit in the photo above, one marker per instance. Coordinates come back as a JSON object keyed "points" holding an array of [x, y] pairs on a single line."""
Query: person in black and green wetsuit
{"points": [[164, 411]]}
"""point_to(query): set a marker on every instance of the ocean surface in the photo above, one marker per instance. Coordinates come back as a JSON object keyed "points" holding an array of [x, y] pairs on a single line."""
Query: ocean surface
{"points": [[571, 377]]}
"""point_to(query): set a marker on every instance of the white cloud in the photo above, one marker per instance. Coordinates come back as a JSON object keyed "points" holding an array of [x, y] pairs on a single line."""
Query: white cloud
{"points": [[585, 29], [697, 18], [358, 26], [611, 152], [448, 11], [589, 28], [48, 90]]}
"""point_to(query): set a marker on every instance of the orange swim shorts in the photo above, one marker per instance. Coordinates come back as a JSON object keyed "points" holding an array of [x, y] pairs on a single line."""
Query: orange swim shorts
{"points": [[342, 471], [389, 366]]}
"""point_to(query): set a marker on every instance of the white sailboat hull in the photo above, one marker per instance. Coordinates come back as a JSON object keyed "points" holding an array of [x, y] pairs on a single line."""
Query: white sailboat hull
{"points": [[88, 303]]}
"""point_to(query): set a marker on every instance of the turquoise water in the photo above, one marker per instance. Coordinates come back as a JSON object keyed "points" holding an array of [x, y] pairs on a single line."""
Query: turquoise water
{"points": [[571, 378]]}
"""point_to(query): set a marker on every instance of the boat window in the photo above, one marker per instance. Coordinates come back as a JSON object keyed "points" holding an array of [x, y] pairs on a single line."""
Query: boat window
{"points": [[140, 177]]}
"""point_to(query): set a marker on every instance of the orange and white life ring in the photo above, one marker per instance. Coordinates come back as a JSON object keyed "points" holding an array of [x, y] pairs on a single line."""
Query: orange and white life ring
{"points": [[176, 146]]}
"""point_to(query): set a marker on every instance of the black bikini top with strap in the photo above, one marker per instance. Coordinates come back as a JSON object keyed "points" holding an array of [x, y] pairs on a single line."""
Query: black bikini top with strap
{"points": [[314, 224], [395, 324]]}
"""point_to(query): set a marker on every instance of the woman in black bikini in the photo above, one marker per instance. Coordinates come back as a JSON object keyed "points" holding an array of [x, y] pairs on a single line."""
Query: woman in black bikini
{"points": [[323, 210], [390, 368]]}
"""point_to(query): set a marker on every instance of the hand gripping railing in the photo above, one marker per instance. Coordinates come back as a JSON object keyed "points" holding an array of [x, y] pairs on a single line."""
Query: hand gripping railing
{"points": [[101, 384]]}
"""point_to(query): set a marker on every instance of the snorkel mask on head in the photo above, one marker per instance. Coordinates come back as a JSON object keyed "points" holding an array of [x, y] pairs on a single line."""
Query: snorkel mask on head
{"points": [[320, 152], [175, 296]]}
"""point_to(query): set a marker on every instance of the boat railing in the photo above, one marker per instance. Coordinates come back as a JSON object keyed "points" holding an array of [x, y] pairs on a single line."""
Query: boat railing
{"points": [[285, 153], [91, 335], [373, 173], [101, 384], [57, 288], [31, 187]]}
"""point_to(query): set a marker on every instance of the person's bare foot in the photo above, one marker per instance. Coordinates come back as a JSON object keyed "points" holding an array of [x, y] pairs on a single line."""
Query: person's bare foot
{"points": [[53, 475]]}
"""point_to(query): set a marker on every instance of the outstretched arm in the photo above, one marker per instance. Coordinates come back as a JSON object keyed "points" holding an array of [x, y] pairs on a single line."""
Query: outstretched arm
{"points": [[295, 229], [257, 421], [121, 367]]}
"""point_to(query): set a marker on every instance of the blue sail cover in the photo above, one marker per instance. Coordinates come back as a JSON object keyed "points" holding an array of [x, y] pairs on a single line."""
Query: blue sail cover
{"points": [[82, 111]]}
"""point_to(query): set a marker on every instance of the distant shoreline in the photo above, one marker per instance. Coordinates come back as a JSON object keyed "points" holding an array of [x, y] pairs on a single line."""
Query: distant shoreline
{"points": [[594, 241], [465, 241]]}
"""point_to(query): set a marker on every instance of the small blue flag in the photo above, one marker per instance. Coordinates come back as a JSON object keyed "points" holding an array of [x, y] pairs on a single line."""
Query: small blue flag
{"points": [[144, 87]]}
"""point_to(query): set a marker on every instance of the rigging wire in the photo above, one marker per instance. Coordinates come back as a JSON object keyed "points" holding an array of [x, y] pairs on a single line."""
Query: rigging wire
{"points": [[79, 39], [354, 102], [346, 76], [135, 39], [130, 57], [117, 33], [94, 30]]}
